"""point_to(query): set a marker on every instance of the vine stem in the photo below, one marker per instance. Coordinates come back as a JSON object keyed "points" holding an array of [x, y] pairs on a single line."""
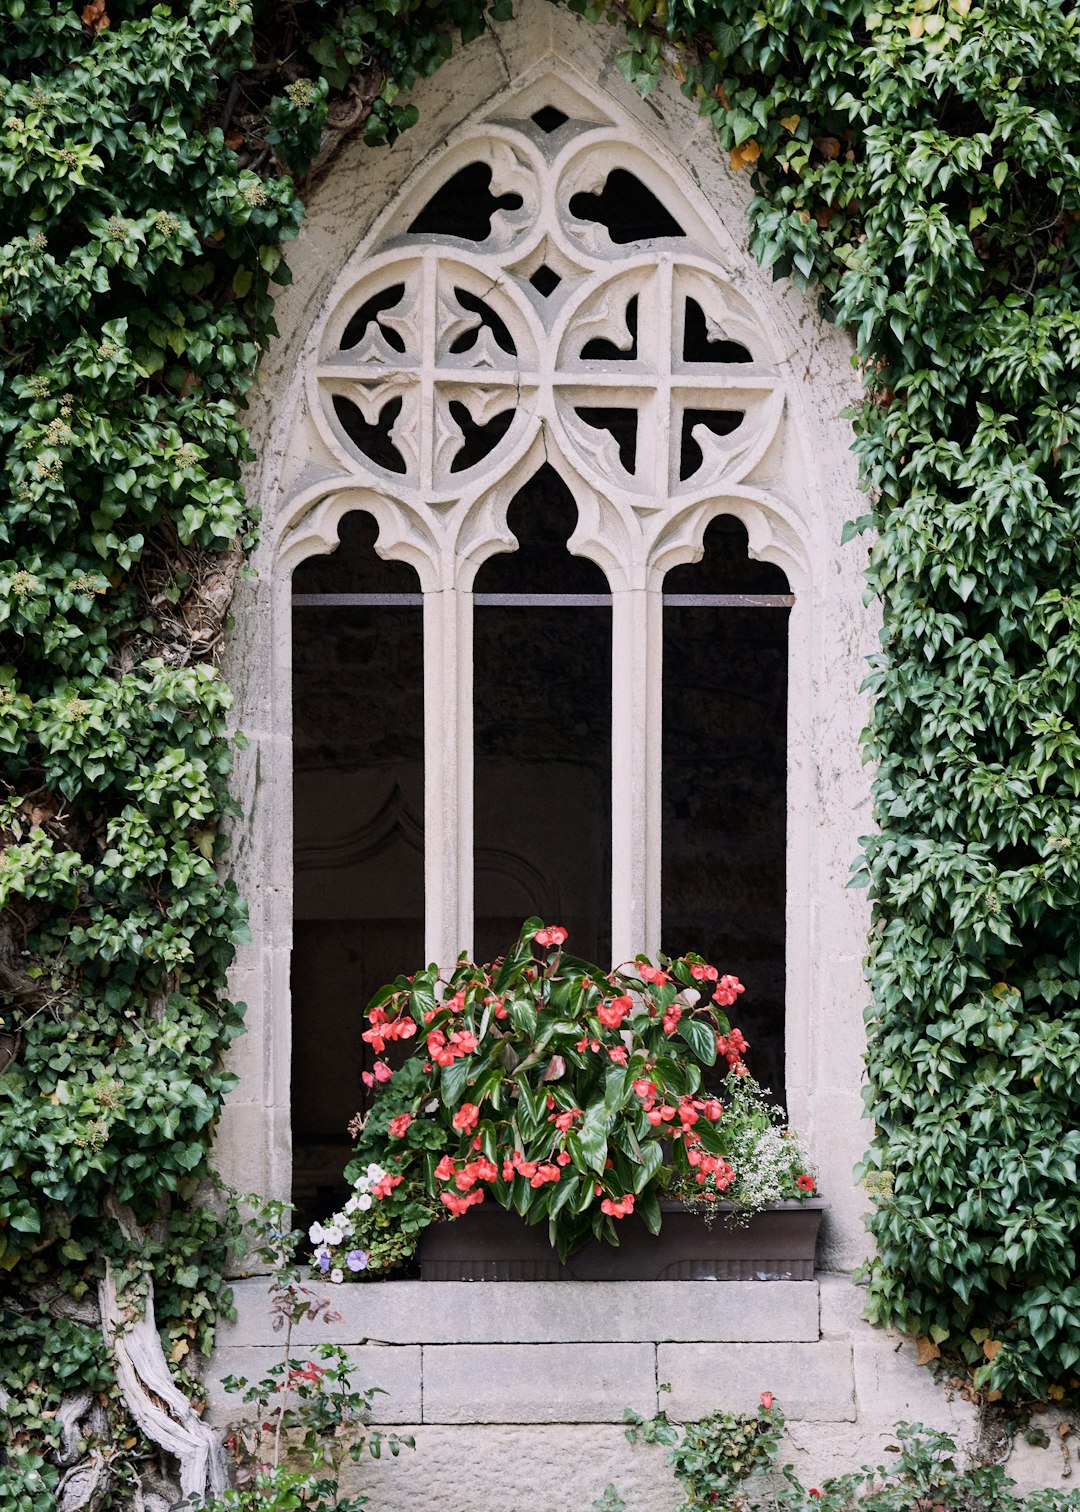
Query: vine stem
{"points": [[285, 1395]]}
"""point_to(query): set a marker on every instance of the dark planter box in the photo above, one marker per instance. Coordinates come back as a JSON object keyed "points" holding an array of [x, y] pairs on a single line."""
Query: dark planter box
{"points": [[490, 1244]]}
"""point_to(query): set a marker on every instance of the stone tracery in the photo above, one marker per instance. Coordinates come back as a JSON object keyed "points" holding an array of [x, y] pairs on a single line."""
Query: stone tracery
{"points": [[545, 287]]}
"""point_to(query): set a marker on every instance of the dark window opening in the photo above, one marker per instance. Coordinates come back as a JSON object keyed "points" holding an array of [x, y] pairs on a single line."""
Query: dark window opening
{"points": [[600, 350], [368, 313], [549, 118], [373, 440], [628, 211], [495, 324], [720, 422], [464, 206], [545, 280], [620, 423], [477, 440], [358, 839], [542, 718], [724, 817], [699, 345]]}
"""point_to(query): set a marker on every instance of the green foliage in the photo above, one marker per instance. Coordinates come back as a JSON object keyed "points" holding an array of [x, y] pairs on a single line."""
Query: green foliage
{"points": [[918, 165], [306, 1418], [714, 1456], [727, 1461]]}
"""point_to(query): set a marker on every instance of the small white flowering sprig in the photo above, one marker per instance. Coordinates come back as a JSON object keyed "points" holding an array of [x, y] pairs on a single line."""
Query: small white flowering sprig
{"points": [[334, 1253]]}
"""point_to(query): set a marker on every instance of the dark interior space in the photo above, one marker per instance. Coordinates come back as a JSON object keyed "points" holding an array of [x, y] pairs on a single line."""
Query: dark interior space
{"points": [[358, 837], [724, 784], [543, 735]]}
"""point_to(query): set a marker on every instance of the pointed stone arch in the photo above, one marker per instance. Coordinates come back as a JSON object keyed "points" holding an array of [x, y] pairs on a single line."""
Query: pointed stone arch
{"points": [[539, 102]]}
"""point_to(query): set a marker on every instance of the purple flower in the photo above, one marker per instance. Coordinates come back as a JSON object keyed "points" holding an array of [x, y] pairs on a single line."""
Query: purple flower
{"points": [[356, 1260], [323, 1257]]}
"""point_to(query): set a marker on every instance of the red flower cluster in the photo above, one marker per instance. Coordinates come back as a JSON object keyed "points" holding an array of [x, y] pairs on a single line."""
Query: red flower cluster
{"points": [[465, 1119], [445, 1051], [536, 1172], [399, 1126], [384, 1186], [671, 1018], [553, 935], [473, 1171], [706, 1165], [804, 1183], [460, 1205], [564, 1121], [381, 1073], [652, 974], [618, 1208], [612, 1014], [384, 1029], [727, 990], [733, 1046]]}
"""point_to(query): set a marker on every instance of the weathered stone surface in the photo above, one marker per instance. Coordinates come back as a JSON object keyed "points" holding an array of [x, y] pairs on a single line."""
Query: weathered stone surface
{"points": [[841, 1306], [537, 1383], [396, 1370], [543, 1312], [814, 1382], [1032, 1466], [517, 1469], [891, 1388]]}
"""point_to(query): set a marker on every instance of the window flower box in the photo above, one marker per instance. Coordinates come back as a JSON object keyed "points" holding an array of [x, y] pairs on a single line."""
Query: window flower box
{"points": [[491, 1244], [583, 1106]]}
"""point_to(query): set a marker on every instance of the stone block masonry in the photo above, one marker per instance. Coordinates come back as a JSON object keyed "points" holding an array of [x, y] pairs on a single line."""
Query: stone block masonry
{"points": [[515, 1392]]}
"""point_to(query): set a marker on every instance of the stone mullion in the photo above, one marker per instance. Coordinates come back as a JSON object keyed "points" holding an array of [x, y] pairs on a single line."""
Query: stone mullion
{"points": [[637, 659], [448, 774]]}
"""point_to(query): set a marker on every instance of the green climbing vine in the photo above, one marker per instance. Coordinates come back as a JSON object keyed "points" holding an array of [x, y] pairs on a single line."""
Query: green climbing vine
{"points": [[916, 165]]}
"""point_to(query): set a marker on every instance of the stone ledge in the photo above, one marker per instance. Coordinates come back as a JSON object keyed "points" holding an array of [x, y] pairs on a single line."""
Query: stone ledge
{"points": [[537, 1383], [544, 1312], [811, 1382]]}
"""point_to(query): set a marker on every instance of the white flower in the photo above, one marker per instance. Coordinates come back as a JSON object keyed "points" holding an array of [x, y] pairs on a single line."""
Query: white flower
{"points": [[337, 1276], [334, 1234], [316, 1233], [375, 1173], [364, 1201], [351, 1205]]}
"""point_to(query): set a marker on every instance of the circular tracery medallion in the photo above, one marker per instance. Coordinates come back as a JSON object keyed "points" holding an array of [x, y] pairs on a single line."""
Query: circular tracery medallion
{"points": [[583, 310]]}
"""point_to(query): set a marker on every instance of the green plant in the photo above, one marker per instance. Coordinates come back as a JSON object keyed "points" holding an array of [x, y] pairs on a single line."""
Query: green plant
{"points": [[712, 1457], [572, 1095], [727, 1461], [305, 1416], [914, 163]]}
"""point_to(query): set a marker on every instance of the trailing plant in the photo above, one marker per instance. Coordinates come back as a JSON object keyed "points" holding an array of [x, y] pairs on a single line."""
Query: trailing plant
{"points": [[727, 1461], [918, 165], [569, 1095], [144, 200]]}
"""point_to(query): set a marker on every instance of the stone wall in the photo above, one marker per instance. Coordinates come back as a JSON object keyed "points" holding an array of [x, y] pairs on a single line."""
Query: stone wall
{"points": [[515, 1392]]}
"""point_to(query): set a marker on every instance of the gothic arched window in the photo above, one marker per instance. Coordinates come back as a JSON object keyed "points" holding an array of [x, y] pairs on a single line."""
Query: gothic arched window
{"points": [[546, 388]]}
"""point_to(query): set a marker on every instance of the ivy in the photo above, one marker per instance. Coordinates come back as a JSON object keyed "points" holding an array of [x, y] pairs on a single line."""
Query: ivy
{"points": [[916, 165]]}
